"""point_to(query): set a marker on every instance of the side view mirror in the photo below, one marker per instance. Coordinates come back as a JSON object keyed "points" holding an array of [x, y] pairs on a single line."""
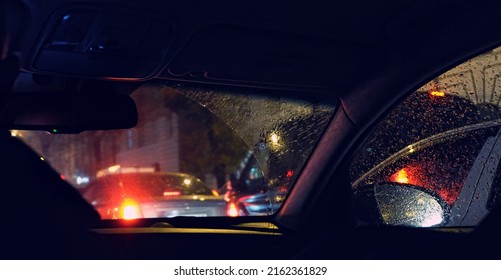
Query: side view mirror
{"points": [[399, 205]]}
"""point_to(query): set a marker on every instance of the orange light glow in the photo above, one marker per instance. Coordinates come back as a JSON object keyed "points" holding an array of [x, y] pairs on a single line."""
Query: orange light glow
{"points": [[113, 168], [411, 174], [131, 210], [232, 210], [215, 193], [172, 193], [437, 93], [400, 177]]}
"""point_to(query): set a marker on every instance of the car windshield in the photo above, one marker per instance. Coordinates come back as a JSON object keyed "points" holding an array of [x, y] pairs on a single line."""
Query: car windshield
{"points": [[195, 152]]}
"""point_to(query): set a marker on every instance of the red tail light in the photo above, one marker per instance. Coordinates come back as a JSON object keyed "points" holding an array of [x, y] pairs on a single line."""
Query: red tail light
{"points": [[400, 176], [232, 210], [174, 193], [130, 210], [409, 175]]}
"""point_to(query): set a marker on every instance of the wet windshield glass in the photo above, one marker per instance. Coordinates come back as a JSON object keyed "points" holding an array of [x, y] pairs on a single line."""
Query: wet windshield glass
{"points": [[195, 152]]}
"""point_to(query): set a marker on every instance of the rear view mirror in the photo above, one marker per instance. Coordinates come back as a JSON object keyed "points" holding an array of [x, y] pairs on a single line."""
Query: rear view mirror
{"points": [[70, 113], [399, 205]]}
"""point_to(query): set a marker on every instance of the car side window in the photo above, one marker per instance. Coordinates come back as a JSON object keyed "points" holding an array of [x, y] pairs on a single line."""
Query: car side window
{"points": [[434, 160]]}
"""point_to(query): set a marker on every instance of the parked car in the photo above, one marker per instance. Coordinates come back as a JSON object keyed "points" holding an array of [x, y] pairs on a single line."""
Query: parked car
{"points": [[152, 195]]}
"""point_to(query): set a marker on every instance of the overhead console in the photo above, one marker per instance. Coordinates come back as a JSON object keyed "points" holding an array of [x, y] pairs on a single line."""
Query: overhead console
{"points": [[105, 42], [237, 54]]}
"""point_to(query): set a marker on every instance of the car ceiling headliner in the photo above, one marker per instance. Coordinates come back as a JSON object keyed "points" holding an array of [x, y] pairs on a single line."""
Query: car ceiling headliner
{"points": [[396, 45]]}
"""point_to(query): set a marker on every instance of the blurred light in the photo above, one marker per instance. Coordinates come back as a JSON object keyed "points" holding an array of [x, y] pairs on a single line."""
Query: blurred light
{"points": [[42, 158], [62, 177], [274, 138], [410, 214], [82, 180], [130, 210], [289, 173], [15, 133], [412, 174], [437, 93], [215, 193], [187, 181], [400, 177], [411, 149], [122, 170], [232, 210], [113, 168], [432, 219], [175, 193], [54, 130], [228, 192], [252, 173]]}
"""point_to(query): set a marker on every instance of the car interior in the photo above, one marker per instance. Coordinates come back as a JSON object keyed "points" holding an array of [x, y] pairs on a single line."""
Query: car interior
{"points": [[72, 66]]}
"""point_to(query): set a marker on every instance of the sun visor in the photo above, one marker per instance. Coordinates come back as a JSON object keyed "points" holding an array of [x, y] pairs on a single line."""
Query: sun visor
{"points": [[235, 54], [105, 42]]}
